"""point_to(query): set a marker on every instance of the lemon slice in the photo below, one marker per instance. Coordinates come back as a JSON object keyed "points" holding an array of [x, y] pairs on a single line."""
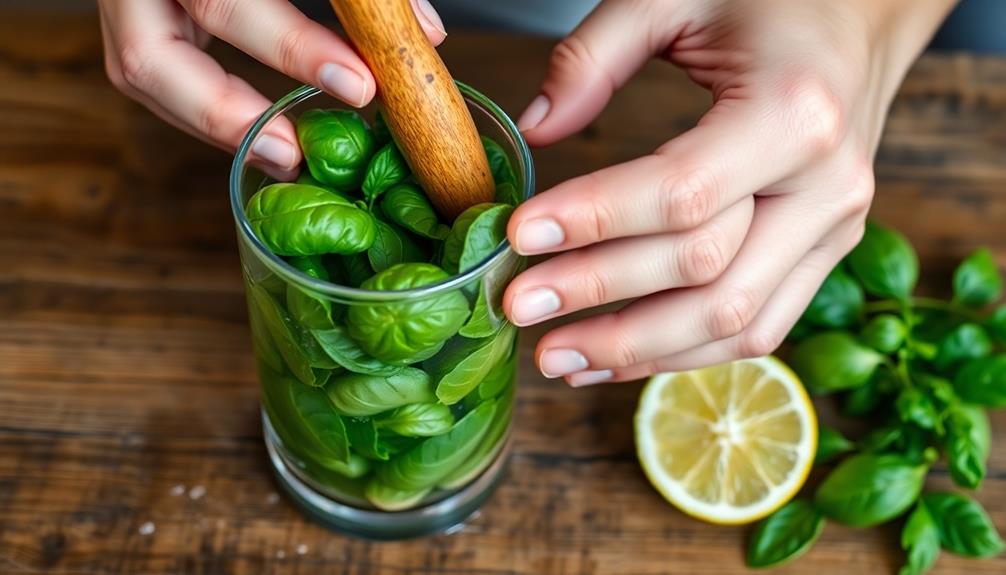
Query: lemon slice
{"points": [[728, 444]]}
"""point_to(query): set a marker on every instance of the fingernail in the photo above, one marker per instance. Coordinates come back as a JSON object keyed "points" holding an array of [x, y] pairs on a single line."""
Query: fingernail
{"points": [[344, 83], [559, 362], [538, 235], [429, 13], [276, 151], [535, 113], [534, 305], [590, 377]]}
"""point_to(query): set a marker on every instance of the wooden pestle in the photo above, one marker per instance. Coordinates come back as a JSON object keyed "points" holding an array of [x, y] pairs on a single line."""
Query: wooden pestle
{"points": [[420, 102]]}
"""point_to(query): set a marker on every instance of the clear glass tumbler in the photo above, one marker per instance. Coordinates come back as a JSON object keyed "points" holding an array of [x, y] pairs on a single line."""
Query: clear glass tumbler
{"points": [[376, 450]]}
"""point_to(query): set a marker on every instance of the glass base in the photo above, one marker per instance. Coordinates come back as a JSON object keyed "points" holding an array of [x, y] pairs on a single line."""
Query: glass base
{"points": [[438, 516]]}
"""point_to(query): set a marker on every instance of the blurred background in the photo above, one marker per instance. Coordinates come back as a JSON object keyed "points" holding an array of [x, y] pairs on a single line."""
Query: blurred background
{"points": [[976, 25]]}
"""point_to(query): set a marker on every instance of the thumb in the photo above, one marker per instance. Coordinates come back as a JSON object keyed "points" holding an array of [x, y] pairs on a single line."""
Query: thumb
{"points": [[586, 68]]}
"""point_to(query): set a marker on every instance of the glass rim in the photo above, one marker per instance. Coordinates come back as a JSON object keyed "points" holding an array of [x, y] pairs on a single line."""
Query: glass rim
{"points": [[277, 265]]}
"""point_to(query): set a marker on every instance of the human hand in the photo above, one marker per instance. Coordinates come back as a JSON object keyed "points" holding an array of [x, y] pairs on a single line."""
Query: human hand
{"points": [[154, 54], [725, 232]]}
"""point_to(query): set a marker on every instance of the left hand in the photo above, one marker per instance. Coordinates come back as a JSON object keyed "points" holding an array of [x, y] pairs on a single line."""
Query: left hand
{"points": [[724, 233]]}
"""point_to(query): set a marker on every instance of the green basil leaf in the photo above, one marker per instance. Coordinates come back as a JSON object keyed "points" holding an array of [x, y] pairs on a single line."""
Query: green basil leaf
{"points": [[964, 527], [885, 333], [432, 460], [500, 378], [967, 443], [882, 439], [831, 444], [391, 247], [885, 262], [283, 333], [307, 179], [407, 206], [345, 351], [382, 134], [913, 406], [454, 243], [833, 361], [364, 438], [996, 324], [356, 467], [310, 310], [867, 398], [305, 419], [357, 394], [977, 281], [507, 194], [386, 169], [488, 449], [408, 330], [265, 350], [499, 163], [390, 499], [487, 314], [337, 146], [983, 381], [838, 302], [299, 220], [921, 541], [460, 368], [484, 235], [967, 341], [785, 535], [866, 489], [356, 268], [417, 420]]}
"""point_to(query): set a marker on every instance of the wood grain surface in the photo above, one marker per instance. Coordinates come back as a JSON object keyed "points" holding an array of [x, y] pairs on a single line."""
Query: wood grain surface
{"points": [[129, 433]]}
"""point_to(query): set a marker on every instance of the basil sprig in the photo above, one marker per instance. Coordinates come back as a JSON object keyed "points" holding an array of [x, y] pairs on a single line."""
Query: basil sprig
{"points": [[921, 373]]}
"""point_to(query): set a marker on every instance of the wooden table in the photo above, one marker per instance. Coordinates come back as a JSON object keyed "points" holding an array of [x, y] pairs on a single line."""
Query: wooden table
{"points": [[129, 430]]}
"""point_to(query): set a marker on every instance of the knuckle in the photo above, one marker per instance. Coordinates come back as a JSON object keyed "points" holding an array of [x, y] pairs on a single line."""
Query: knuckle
{"points": [[702, 260], [114, 74], [854, 236], [593, 287], [573, 53], [212, 14], [685, 202], [596, 217], [860, 194], [759, 342], [624, 351], [732, 315], [816, 113], [213, 121], [291, 49], [137, 67]]}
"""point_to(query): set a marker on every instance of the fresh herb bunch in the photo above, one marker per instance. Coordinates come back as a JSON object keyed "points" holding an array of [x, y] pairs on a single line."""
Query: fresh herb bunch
{"points": [[922, 371], [382, 402]]}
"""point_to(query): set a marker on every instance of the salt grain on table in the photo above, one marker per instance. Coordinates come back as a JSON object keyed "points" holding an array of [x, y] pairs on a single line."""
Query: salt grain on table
{"points": [[301, 549], [147, 528], [197, 492], [177, 490]]}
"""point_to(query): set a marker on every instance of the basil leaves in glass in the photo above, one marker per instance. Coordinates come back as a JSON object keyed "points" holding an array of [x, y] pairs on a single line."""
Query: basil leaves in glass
{"points": [[384, 399]]}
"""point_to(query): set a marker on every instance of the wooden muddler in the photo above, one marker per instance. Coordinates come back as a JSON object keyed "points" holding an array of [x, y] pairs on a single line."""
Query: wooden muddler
{"points": [[422, 106]]}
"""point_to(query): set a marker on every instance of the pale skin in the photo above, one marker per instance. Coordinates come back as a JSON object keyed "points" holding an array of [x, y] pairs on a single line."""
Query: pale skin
{"points": [[719, 238]]}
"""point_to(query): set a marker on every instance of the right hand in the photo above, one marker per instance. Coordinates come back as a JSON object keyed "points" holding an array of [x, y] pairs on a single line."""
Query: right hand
{"points": [[154, 54]]}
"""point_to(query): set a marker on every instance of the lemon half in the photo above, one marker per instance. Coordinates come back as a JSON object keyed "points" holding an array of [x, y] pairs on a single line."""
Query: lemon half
{"points": [[728, 444]]}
